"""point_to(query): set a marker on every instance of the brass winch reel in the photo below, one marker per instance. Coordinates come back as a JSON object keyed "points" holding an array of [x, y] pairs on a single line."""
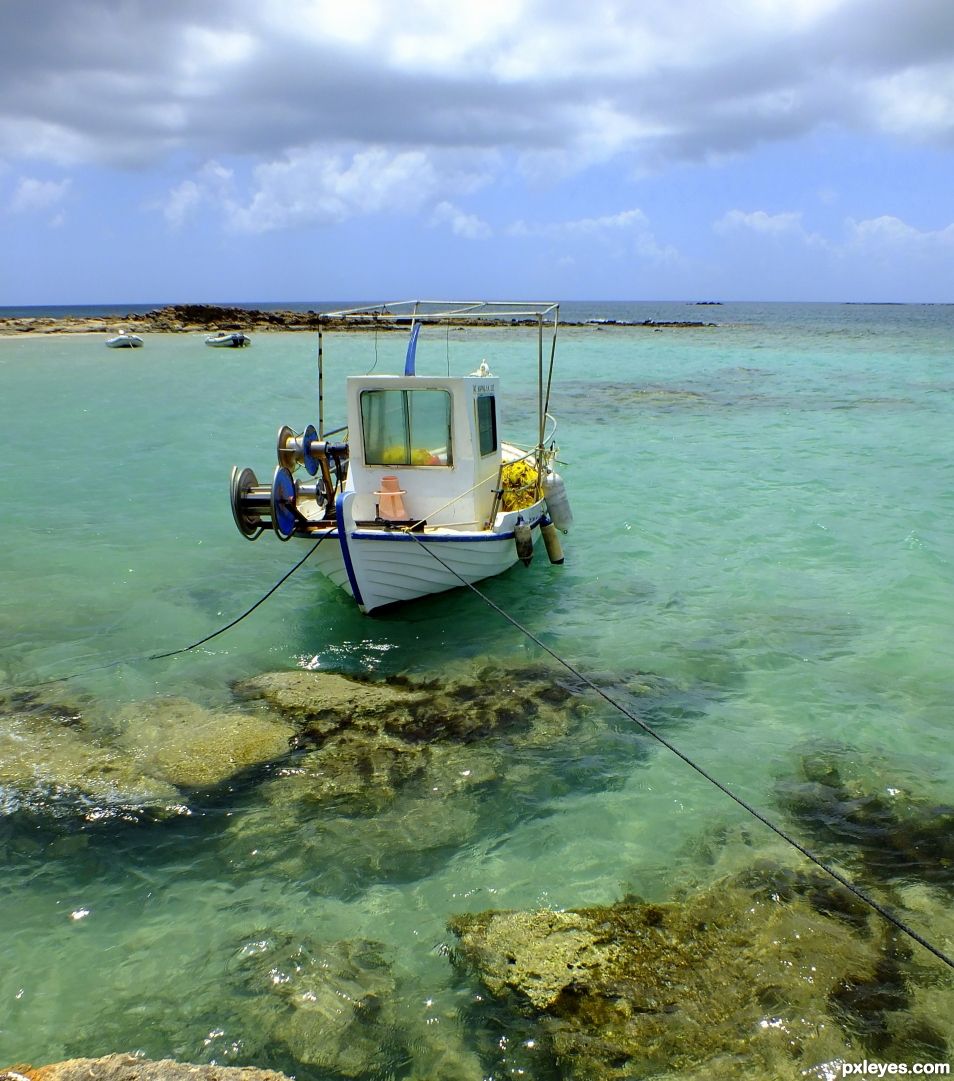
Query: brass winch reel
{"points": [[256, 507]]}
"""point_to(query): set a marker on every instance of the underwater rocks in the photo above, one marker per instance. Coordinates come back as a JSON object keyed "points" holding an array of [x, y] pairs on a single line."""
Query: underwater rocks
{"points": [[897, 836], [132, 1068], [762, 975], [327, 737], [391, 777], [189, 746], [340, 1008], [360, 739], [63, 761], [528, 702], [53, 762], [326, 1005]]}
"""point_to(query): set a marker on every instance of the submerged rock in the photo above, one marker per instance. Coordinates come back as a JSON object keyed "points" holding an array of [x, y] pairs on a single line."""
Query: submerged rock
{"points": [[329, 1005], [133, 1068], [139, 764], [523, 703], [764, 975], [359, 742], [896, 835], [51, 763], [187, 745], [325, 701]]}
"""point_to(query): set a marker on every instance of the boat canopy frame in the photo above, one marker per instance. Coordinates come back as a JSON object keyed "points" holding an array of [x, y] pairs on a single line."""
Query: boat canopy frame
{"points": [[411, 312], [422, 311]]}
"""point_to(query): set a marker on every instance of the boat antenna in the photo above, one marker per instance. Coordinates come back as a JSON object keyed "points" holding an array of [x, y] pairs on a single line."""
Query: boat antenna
{"points": [[553, 341], [321, 386]]}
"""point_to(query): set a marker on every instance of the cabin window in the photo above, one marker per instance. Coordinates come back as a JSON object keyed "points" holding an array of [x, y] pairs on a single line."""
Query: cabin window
{"points": [[487, 423], [406, 427]]}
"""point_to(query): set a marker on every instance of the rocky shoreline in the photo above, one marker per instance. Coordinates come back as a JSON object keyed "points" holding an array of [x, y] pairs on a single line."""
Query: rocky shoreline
{"points": [[207, 318]]}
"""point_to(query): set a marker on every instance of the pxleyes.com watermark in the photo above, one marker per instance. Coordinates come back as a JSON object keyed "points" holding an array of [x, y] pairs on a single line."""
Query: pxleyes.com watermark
{"points": [[895, 1069]]}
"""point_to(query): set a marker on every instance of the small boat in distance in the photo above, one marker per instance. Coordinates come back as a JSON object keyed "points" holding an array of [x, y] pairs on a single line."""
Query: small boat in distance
{"points": [[419, 493], [124, 340], [226, 339]]}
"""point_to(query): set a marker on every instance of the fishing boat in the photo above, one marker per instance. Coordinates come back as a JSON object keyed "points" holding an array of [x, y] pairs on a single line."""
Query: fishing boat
{"points": [[226, 339], [418, 492], [124, 340]]}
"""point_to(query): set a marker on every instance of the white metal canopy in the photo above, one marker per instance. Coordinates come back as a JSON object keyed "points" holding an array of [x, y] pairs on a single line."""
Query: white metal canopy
{"points": [[436, 310]]}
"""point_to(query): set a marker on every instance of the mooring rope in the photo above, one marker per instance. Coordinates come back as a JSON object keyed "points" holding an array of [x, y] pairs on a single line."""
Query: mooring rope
{"points": [[886, 913], [184, 649], [650, 731]]}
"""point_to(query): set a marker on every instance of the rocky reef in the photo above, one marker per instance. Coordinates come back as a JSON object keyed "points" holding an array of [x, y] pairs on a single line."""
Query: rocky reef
{"points": [[186, 318], [391, 777], [337, 783], [342, 738], [326, 1005], [772, 973]]}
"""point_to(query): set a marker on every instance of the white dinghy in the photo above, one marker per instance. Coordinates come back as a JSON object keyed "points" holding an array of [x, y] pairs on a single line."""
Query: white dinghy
{"points": [[227, 339], [124, 340], [419, 493]]}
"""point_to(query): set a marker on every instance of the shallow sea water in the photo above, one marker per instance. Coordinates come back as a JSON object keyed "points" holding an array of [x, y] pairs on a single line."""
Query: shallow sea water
{"points": [[764, 533]]}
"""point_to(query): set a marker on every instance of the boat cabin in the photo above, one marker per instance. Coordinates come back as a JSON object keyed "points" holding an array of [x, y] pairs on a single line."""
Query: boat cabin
{"points": [[423, 449]]}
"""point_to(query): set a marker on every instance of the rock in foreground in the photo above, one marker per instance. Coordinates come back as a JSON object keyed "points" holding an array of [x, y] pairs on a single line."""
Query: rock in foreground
{"points": [[768, 975], [131, 1068]]}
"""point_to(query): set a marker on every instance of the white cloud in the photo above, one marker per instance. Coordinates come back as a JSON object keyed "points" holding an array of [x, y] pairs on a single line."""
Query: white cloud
{"points": [[610, 223], [314, 186], [32, 196], [759, 221], [461, 224], [887, 233], [626, 231], [211, 185], [181, 202]]}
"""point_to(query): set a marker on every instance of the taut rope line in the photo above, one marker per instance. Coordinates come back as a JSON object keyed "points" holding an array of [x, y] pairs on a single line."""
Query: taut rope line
{"points": [[650, 731]]}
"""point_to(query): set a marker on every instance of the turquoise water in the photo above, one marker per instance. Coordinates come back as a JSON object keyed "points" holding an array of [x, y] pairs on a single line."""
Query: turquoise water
{"points": [[764, 530]]}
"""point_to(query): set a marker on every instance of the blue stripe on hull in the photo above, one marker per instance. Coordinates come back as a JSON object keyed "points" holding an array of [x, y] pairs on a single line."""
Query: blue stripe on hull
{"points": [[428, 538], [345, 551]]}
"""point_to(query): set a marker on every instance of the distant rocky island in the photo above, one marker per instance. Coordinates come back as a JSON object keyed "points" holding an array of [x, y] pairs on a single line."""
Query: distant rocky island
{"points": [[196, 318]]}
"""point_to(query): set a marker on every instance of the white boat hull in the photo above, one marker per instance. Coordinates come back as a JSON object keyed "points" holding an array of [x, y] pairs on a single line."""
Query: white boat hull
{"points": [[378, 567]]}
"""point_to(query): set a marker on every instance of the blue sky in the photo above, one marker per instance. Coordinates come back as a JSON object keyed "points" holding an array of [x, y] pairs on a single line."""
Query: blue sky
{"points": [[268, 150]]}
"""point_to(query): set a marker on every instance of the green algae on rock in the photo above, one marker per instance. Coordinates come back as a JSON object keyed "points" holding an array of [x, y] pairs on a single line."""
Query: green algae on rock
{"points": [[464, 708], [740, 980], [52, 764]]}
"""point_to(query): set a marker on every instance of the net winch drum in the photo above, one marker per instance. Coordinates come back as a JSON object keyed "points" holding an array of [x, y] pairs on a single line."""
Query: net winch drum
{"points": [[294, 449], [316, 455], [256, 506]]}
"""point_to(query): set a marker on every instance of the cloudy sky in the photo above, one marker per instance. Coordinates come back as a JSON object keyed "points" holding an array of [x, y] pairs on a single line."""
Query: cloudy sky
{"points": [[269, 150]]}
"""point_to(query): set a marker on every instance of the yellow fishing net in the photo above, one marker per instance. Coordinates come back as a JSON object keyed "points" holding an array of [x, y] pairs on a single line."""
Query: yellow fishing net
{"points": [[519, 484]]}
